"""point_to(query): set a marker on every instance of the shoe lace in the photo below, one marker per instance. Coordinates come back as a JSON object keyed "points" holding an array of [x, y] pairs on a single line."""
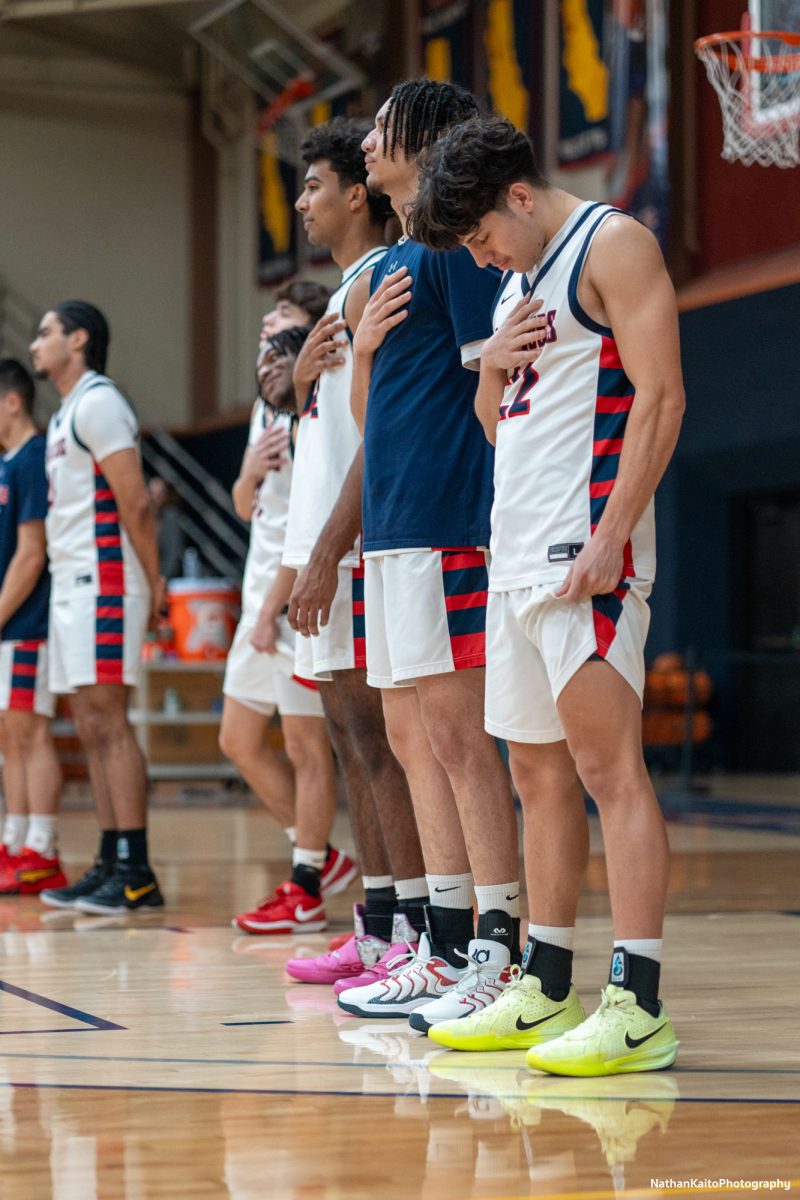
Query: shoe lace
{"points": [[610, 1011], [476, 974], [406, 958]]}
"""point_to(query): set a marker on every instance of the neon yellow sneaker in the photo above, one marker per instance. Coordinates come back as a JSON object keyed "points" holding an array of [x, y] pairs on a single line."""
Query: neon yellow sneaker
{"points": [[520, 1017], [617, 1038]]}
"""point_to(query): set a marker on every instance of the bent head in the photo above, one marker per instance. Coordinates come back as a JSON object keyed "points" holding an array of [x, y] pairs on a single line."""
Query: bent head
{"points": [[299, 303], [17, 394], [480, 187], [417, 112]]}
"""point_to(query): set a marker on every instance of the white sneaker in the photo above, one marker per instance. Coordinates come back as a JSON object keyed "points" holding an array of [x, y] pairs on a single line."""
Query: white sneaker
{"points": [[408, 985], [481, 982]]}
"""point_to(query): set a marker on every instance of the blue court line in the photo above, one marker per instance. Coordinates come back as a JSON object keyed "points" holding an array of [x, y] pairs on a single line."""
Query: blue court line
{"points": [[256, 1022], [121, 1087], [280, 1062], [63, 1009]]}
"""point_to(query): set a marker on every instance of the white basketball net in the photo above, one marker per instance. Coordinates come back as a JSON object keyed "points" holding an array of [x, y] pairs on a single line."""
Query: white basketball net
{"points": [[757, 79]]}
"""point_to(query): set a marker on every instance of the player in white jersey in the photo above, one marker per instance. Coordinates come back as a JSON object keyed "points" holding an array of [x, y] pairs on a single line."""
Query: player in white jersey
{"points": [[106, 591], [337, 212], [581, 391], [302, 797]]}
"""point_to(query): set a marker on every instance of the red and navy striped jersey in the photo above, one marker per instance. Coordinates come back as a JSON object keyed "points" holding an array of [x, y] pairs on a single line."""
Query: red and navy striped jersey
{"points": [[562, 426]]}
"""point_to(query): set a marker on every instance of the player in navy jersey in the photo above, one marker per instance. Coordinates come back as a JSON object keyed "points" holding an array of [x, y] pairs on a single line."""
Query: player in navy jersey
{"points": [[427, 494], [31, 773], [338, 212], [106, 591], [581, 393]]}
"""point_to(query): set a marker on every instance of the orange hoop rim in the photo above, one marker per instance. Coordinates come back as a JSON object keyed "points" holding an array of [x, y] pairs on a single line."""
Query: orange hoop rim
{"points": [[770, 64]]}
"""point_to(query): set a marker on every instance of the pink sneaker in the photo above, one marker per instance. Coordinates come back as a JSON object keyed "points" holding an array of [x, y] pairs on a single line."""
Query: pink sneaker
{"points": [[359, 951], [338, 873], [404, 942]]}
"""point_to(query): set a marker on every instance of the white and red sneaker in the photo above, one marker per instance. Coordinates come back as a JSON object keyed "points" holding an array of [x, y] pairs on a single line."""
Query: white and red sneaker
{"points": [[483, 979], [407, 986], [338, 873], [290, 909]]}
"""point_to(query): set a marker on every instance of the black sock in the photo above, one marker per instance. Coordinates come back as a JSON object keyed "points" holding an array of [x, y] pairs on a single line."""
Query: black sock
{"points": [[552, 965], [307, 878], [414, 909], [639, 975], [379, 906], [107, 852], [449, 929], [132, 848]]}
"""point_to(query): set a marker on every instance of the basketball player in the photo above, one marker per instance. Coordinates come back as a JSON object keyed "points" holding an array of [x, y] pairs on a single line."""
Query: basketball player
{"points": [[581, 391], [106, 592], [300, 303], [426, 498], [31, 772], [338, 212], [303, 799]]}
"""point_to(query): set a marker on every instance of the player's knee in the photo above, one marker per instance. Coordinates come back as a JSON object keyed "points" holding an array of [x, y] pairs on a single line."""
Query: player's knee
{"points": [[605, 780], [455, 746], [94, 727], [235, 744]]}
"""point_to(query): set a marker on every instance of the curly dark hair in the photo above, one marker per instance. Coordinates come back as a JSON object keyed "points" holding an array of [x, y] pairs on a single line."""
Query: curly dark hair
{"points": [[420, 110], [338, 142], [465, 175]]}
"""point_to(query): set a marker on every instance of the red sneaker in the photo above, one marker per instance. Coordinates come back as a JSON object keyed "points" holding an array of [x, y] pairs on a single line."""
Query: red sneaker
{"points": [[337, 874], [28, 873], [289, 909]]}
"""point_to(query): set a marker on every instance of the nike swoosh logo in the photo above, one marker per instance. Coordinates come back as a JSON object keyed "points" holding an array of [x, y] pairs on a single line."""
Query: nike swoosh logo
{"points": [[137, 893], [634, 1042], [514, 897], [452, 889], [35, 876], [523, 1025], [307, 916]]}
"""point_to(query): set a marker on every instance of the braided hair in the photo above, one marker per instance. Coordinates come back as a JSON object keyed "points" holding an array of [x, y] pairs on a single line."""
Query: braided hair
{"points": [[420, 109]]}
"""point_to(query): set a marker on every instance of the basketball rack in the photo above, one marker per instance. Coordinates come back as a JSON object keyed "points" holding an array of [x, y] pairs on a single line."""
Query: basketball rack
{"points": [[756, 75]]}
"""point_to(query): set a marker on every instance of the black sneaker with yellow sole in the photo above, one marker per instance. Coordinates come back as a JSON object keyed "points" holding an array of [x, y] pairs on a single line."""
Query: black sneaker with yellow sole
{"points": [[126, 889]]}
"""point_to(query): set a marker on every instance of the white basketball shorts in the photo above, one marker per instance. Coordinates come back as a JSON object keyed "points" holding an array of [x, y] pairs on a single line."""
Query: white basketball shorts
{"points": [[24, 678], [426, 614], [266, 682], [340, 645], [535, 643], [96, 639]]}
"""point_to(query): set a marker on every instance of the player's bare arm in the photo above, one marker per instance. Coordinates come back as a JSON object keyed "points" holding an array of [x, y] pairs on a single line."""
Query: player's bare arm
{"points": [[124, 474], [267, 454], [513, 345], [24, 568], [265, 631], [626, 286], [310, 604], [385, 309], [320, 352]]}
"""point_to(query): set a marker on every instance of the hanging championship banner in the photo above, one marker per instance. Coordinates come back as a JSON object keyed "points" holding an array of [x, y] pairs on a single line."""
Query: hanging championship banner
{"points": [[638, 132], [277, 227], [583, 84], [445, 26]]}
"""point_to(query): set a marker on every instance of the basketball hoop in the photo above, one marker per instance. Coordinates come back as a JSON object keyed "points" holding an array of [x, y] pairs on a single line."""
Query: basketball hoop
{"points": [[757, 79], [300, 88]]}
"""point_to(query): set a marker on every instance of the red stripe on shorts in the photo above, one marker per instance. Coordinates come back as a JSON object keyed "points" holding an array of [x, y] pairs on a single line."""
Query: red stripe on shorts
{"points": [[21, 699], [469, 650]]}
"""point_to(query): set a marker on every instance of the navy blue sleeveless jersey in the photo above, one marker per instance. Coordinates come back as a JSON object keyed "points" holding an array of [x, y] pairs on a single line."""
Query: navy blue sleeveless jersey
{"points": [[427, 465], [23, 497]]}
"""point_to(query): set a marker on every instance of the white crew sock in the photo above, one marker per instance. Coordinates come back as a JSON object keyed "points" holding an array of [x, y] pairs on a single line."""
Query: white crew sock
{"points": [[554, 935], [450, 891], [14, 827], [645, 947], [411, 889], [41, 835], [291, 834], [309, 858], [376, 881], [503, 897]]}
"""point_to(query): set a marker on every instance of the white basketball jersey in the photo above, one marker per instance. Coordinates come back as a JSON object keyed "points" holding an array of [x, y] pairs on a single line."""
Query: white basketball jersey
{"points": [[327, 441], [268, 522], [88, 547], [562, 426]]}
